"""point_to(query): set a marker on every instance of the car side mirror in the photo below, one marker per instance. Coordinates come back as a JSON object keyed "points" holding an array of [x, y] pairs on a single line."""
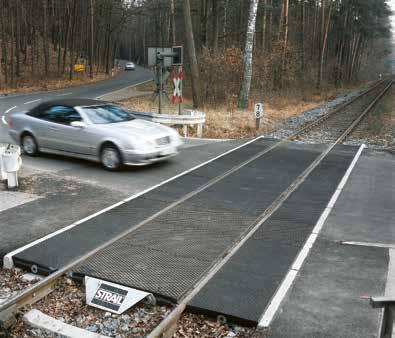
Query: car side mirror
{"points": [[78, 124]]}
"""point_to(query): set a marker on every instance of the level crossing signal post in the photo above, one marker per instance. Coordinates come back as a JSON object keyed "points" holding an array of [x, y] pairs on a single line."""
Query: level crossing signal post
{"points": [[167, 62]]}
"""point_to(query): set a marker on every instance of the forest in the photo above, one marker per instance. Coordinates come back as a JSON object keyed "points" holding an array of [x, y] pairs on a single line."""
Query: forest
{"points": [[231, 47]]}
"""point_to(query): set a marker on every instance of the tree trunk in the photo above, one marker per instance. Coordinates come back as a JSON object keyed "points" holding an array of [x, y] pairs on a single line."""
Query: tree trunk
{"points": [[215, 25], [3, 48], [303, 33], [73, 15], [280, 22], [108, 52], [285, 43], [195, 74], [325, 27], [225, 22], [270, 29], [12, 56], [45, 36], [263, 38], [315, 37], [172, 21], [17, 39], [203, 22], [354, 54], [341, 52], [66, 36], [263, 32], [59, 42], [33, 51], [247, 60], [144, 44], [91, 40]]}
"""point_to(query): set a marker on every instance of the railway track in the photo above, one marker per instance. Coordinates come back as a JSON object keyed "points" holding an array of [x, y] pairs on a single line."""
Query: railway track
{"points": [[336, 126], [328, 128]]}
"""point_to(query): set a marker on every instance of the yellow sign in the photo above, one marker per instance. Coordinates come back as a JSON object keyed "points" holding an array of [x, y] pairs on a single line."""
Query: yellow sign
{"points": [[79, 68]]}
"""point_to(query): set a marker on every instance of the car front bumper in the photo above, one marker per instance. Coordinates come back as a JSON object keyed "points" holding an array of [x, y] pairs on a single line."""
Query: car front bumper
{"points": [[138, 157]]}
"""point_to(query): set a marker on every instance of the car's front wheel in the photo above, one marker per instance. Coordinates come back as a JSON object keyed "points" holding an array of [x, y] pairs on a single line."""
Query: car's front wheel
{"points": [[111, 158], [29, 144]]}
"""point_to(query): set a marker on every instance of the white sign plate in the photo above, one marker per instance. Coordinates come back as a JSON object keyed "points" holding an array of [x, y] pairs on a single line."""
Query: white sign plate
{"points": [[258, 111], [110, 296]]}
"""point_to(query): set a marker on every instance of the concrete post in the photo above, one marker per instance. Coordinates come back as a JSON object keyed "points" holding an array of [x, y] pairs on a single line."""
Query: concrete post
{"points": [[200, 130]]}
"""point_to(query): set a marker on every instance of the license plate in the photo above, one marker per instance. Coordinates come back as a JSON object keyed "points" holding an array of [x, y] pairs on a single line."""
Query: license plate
{"points": [[163, 141]]}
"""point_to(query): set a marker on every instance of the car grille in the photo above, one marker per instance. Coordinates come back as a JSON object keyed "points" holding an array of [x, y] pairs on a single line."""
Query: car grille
{"points": [[163, 141]]}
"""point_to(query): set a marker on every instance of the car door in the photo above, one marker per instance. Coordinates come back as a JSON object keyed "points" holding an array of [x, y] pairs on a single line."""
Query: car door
{"points": [[60, 134], [46, 124]]}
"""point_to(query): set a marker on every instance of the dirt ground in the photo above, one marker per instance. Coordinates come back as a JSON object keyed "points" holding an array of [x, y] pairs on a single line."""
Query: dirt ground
{"points": [[38, 85], [67, 304], [226, 120]]}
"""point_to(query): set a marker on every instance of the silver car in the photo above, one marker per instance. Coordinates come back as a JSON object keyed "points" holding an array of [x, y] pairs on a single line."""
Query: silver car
{"points": [[93, 130], [129, 66]]}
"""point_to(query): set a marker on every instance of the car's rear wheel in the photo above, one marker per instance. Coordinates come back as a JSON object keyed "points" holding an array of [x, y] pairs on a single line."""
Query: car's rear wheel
{"points": [[111, 158], [29, 144]]}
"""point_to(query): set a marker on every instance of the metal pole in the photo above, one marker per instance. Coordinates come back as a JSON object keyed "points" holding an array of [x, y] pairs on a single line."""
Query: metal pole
{"points": [[160, 68], [179, 100]]}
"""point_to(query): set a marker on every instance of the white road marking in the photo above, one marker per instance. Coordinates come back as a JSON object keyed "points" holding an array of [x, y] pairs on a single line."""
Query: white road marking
{"points": [[286, 284], [28, 102], [64, 94], [7, 260], [5, 113]]}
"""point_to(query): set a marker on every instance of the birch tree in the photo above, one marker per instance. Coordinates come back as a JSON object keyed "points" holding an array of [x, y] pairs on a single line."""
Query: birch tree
{"points": [[247, 59]]}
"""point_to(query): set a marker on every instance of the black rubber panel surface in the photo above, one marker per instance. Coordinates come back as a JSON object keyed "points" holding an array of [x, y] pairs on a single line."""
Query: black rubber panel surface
{"points": [[67, 246], [244, 286], [168, 255]]}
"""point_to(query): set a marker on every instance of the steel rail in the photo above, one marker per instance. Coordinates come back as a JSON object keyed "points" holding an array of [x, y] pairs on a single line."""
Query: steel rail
{"points": [[42, 288]]}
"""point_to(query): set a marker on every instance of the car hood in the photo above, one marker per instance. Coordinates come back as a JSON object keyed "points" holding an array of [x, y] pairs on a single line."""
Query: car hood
{"points": [[138, 127]]}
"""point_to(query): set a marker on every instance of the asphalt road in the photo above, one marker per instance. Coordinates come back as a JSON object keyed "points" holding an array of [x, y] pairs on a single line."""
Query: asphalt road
{"points": [[94, 90]]}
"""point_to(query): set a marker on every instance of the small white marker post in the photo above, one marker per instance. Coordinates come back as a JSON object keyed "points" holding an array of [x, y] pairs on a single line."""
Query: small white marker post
{"points": [[258, 112]]}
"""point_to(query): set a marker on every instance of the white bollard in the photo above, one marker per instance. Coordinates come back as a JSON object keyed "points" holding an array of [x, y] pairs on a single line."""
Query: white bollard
{"points": [[3, 174], [12, 180], [12, 162]]}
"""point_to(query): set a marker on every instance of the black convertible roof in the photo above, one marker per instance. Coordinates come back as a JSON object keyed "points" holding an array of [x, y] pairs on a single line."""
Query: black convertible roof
{"points": [[67, 103]]}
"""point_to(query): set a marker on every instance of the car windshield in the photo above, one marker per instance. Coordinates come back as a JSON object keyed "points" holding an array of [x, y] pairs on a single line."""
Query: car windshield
{"points": [[107, 114]]}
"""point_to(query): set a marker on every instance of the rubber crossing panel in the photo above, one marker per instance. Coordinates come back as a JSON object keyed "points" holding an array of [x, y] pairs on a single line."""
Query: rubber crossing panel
{"points": [[168, 255], [244, 286], [67, 246]]}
